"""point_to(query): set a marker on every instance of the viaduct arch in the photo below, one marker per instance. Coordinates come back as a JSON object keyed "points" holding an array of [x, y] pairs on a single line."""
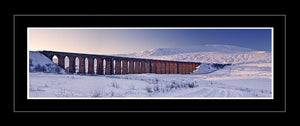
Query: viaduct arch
{"points": [[121, 65]]}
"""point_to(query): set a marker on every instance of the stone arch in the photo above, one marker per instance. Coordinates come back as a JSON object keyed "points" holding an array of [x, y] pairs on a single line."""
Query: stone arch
{"points": [[179, 68], [72, 68], [95, 65], [54, 59], [147, 67], [76, 65], [163, 67], [90, 65], [121, 66], [171, 68], [66, 63], [167, 68], [117, 66], [127, 67], [153, 67], [108, 66], [133, 67], [142, 67], [81, 64], [186, 68], [136, 67], [99, 68], [158, 67], [124, 66], [104, 66], [114, 66], [130, 66], [183, 68], [60, 60], [175, 68], [86, 65]]}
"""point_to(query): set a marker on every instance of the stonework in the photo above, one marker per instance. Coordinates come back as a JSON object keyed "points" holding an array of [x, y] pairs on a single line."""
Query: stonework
{"points": [[124, 67], [142, 67], [147, 67], [131, 67], [72, 65], [171, 68], [81, 65], [99, 66], [136, 67], [121, 65], [163, 68], [167, 68], [90, 65], [186, 68], [108, 67], [175, 68], [117, 66], [158, 67], [153, 67]]}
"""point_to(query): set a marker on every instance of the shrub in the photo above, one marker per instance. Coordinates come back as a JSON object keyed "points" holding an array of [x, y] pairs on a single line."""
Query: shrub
{"points": [[192, 85], [154, 81], [63, 93], [115, 84], [39, 68], [52, 68], [103, 93], [149, 89], [172, 85], [96, 93]]}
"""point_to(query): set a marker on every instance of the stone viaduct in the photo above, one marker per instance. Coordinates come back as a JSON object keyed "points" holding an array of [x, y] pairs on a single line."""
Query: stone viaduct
{"points": [[108, 65]]}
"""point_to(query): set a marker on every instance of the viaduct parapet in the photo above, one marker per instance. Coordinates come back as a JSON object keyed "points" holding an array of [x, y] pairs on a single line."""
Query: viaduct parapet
{"points": [[110, 65]]}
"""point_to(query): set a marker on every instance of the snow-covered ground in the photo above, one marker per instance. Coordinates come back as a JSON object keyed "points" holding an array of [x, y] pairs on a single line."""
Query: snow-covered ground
{"points": [[250, 77]]}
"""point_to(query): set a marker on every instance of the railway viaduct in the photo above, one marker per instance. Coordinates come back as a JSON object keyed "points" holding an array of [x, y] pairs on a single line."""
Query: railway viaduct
{"points": [[109, 65]]}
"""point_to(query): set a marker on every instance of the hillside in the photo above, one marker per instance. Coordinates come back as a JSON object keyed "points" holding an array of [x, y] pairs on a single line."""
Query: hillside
{"points": [[40, 63], [206, 54]]}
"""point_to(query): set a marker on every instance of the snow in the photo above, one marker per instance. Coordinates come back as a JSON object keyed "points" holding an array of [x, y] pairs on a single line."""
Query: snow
{"points": [[249, 78], [205, 48], [205, 68], [54, 85], [49, 85]]}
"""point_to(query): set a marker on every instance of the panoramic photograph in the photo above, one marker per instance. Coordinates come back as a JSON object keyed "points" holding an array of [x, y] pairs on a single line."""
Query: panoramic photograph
{"points": [[150, 63]]}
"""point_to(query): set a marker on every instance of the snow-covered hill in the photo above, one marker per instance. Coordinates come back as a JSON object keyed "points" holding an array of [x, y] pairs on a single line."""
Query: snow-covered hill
{"points": [[222, 54], [40, 63], [205, 48]]}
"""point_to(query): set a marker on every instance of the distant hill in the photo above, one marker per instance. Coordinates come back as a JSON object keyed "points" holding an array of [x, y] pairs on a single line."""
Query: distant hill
{"points": [[207, 54]]}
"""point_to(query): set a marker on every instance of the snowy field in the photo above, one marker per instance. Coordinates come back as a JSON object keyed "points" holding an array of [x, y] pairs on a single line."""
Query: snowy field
{"points": [[249, 78], [230, 82], [243, 81]]}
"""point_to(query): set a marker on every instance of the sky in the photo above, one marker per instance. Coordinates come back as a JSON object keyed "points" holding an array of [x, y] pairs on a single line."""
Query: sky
{"points": [[121, 41]]}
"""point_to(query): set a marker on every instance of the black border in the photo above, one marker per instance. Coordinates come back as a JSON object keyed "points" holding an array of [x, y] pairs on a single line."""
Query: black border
{"points": [[22, 104]]}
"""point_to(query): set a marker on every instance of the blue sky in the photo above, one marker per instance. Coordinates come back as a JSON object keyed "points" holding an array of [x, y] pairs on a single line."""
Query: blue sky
{"points": [[117, 41]]}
